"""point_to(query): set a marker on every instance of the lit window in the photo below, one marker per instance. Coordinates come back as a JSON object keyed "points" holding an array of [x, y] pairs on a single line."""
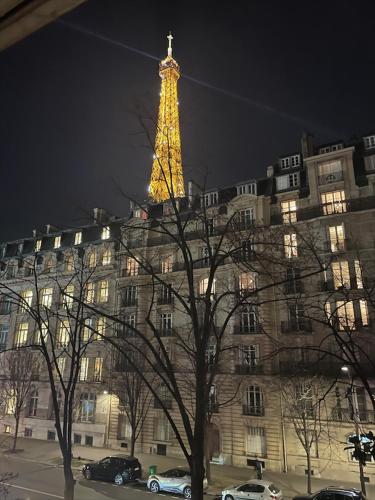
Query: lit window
{"points": [[69, 263], [106, 259], [26, 299], [256, 444], [46, 297], [83, 369], [203, 286], [106, 232], [103, 291], [290, 245], [247, 189], [330, 171], [364, 312], [57, 242], [38, 245], [91, 259], [88, 405], [98, 369], [61, 365], [101, 327], [253, 401], [341, 275], [131, 267], [167, 264], [345, 315], [90, 293], [246, 282], [289, 211], [87, 329], [358, 274], [337, 238], [78, 238], [68, 296], [333, 202], [41, 333], [369, 141], [63, 338], [21, 334]]}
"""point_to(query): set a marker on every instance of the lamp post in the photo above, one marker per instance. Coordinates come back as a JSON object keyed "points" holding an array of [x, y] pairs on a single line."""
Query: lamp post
{"points": [[354, 403]]}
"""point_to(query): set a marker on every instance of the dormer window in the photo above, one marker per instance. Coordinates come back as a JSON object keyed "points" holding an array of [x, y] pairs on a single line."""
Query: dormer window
{"points": [[38, 245], [369, 141], [211, 198], [290, 161], [287, 181], [106, 233], [250, 188], [57, 242], [330, 149], [78, 238], [139, 213]]}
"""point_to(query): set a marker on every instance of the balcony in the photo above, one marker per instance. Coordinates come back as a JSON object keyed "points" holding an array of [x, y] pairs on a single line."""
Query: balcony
{"points": [[346, 415], [165, 299], [248, 369], [129, 302], [330, 178], [167, 404], [327, 366], [247, 329], [243, 225], [293, 288], [165, 332], [296, 326], [256, 411]]}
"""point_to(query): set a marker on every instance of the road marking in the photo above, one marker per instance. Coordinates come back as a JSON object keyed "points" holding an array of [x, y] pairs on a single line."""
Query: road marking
{"points": [[33, 491]]}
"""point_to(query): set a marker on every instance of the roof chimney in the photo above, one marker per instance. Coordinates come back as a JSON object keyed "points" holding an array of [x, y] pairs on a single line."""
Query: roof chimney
{"points": [[307, 144], [270, 171], [100, 215]]}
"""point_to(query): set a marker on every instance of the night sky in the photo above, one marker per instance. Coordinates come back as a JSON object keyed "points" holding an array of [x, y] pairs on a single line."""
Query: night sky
{"points": [[69, 130]]}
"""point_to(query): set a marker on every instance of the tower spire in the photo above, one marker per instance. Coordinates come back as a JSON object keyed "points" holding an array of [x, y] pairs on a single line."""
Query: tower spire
{"points": [[166, 176]]}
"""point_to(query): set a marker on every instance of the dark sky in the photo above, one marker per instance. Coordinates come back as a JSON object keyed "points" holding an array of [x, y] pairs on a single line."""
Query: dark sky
{"points": [[68, 131]]}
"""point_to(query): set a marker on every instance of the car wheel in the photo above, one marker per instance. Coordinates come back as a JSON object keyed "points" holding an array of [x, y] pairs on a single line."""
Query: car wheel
{"points": [[228, 497], [187, 492], [87, 474], [154, 487], [119, 480]]}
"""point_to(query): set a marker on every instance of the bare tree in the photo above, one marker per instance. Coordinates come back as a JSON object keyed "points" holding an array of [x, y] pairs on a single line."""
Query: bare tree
{"points": [[18, 369]]}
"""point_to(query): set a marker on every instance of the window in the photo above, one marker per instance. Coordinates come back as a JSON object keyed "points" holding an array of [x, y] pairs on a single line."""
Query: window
{"points": [[333, 202], [336, 238], [205, 258], [46, 297], [248, 355], [130, 325], [21, 334], [107, 256], [83, 369], [364, 312], [101, 327], [253, 401], [130, 295], [287, 181], [103, 291], [167, 264], [43, 332], [341, 276], [4, 330], [51, 435], [248, 320], [166, 324], [358, 274], [131, 267], [369, 141], [90, 292], [57, 242], [98, 368], [78, 238], [28, 432], [161, 429], [246, 283], [69, 263], [38, 245], [89, 440], [91, 259], [5, 305], [77, 438], [87, 329], [61, 361], [68, 296], [289, 211], [290, 161], [211, 198], [26, 299], [166, 296], [309, 438], [164, 396], [370, 163], [106, 233], [290, 245], [48, 264], [87, 407], [33, 403], [247, 189], [213, 406], [211, 354], [63, 337], [329, 171], [345, 315], [203, 286]]}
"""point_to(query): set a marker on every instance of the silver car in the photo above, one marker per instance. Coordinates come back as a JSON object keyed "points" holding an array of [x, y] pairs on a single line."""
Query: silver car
{"points": [[255, 489], [173, 480]]}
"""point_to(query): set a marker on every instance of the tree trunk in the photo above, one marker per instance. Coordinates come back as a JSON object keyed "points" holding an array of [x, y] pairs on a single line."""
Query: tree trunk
{"points": [[207, 453], [198, 445], [17, 417], [362, 478], [197, 472], [309, 489], [132, 444], [68, 476], [208, 468]]}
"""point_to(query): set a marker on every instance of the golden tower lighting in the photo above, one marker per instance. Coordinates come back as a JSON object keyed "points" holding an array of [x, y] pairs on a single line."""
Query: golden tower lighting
{"points": [[166, 176]]}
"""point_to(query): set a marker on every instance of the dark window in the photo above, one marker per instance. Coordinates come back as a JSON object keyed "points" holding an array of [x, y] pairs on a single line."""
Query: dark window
{"points": [[77, 438], [51, 435], [28, 432], [89, 440], [161, 449]]}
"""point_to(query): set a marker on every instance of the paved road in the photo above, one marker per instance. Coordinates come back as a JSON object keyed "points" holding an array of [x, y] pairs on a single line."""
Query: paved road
{"points": [[35, 481]]}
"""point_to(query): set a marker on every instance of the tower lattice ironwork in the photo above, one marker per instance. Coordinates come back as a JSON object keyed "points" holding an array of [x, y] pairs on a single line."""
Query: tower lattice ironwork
{"points": [[166, 177]]}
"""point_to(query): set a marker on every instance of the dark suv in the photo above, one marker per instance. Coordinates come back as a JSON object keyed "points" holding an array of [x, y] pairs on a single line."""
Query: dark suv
{"points": [[332, 493], [118, 468]]}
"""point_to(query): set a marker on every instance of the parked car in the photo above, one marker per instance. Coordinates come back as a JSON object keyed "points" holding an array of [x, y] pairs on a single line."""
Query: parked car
{"points": [[255, 489], [173, 480], [117, 468], [333, 493]]}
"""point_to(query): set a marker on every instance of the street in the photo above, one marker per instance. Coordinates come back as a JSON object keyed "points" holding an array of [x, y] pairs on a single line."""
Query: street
{"points": [[36, 481]]}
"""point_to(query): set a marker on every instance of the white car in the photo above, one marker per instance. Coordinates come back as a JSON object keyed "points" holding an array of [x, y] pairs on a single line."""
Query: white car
{"points": [[173, 480], [255, 489]]}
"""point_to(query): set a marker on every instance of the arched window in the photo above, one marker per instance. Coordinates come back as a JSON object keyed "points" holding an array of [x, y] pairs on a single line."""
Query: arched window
{"points": [[91, 259], [253, 403], [107, 255], [33, 403]]}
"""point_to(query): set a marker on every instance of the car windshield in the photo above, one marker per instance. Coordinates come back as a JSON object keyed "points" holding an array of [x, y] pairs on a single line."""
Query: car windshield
{"points": [[273, 489]]}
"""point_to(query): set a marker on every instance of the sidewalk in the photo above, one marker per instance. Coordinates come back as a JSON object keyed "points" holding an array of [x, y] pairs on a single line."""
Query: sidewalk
{"points": [[222, 475]]}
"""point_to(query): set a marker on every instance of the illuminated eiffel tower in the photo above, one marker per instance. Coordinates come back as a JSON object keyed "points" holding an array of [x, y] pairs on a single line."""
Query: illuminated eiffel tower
{"points": [[167, 180]]}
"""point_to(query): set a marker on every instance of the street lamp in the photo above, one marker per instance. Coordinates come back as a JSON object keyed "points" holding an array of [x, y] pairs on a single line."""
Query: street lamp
{"points": [[354, 404]]}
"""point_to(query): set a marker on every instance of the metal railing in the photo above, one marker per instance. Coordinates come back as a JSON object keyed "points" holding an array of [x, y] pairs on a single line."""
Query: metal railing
{"points": [[300, 325], [257, 411]]}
